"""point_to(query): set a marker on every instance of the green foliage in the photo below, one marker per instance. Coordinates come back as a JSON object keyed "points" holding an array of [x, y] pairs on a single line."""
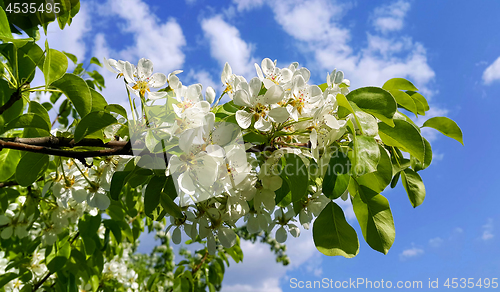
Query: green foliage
{"points": [[333, 235], [85, 213]]}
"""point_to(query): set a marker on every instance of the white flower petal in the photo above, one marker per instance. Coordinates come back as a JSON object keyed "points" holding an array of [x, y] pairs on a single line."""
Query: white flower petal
{"points": [[259, 71], [128, 72], [279, 114], [242, 98], [263, 125], [157, 80], [210, 95], [274, 94], [156, 95], [267, 67], [244, 119], [226, 73], [144, 68], [109, 64], [286, 75]]}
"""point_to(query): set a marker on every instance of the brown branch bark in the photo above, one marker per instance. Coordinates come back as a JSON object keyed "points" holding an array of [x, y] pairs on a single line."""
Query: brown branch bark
{"points": [[62, 147], [16, 95], [124, 149]]}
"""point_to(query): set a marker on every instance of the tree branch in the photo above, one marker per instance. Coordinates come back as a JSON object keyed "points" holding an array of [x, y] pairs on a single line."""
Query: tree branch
{"points": [[118, 149], [16, 95]]}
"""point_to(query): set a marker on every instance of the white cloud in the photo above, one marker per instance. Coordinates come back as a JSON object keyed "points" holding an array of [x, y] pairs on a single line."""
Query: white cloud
{"points": [[390, 17], [411, 253], [243, 5], [317, 27], [488, 230], [436, 242], [492, 73], [259, 270], [226, 45], [71, 39], [204, 78], [162, 42]]}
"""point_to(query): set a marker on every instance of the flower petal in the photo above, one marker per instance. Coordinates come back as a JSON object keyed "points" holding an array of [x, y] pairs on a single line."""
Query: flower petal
{"points": [[263, 125], [129, 72], [244, 119], [279, 114], [109, 64], [144, 68], [210, 95], [157, 80], [242, 98], [156, 95], [267, 67], [274, 94]]}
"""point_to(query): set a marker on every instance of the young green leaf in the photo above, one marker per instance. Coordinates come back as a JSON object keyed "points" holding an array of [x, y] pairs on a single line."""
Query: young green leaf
{"points": [[399, 84], [375, 218], [337, 175], [75, 88], [405, 136], [376, 101], [414, 187], [31, 166], [54, 66], [333, 235], [296, 175], [93, 122], [446, 126]]}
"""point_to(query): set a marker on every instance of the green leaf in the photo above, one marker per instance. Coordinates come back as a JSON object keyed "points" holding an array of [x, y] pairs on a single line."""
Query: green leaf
{"points": [[116, 108], [169, 206], [399, 84], [16, 109], [405, 136], [4, 25], [375, 101], [152, 194], [115, 229], [296, 175], [405, 101], [117, 182], [94, 60], [337, 175], [89, 225], [31, 166], [254, 138], [282, 193], [419, 98], [75, 88], [98, 101], [71, 57], [59, 260], [93, 122], [36, 108], [333, 235], [416, 164], [54, 66], [29, 120], [414, 187], [366, 156], [375, 218], [10, 158], [446, 126], [381, 178], [89, 245], [6, 278]]}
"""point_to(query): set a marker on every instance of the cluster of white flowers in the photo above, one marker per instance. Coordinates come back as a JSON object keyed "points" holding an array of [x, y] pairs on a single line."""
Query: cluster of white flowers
{"points": [[214, 176]]}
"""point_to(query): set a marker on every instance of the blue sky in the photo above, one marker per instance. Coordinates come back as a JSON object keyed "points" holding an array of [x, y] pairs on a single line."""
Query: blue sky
{"points": [[449, 49]]}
